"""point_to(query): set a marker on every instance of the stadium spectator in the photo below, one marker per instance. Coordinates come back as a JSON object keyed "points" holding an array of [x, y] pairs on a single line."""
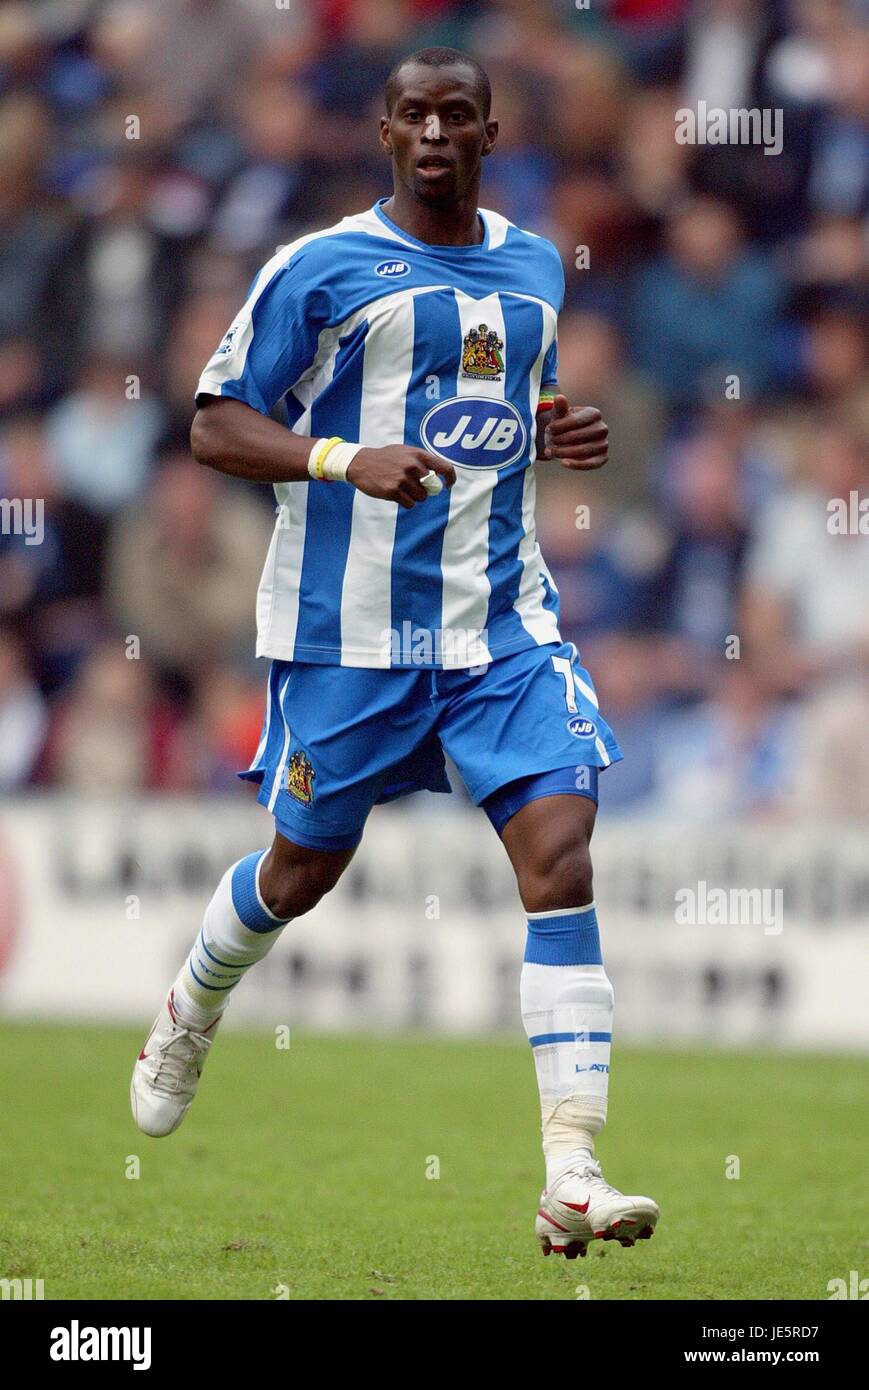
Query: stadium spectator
{"points": [[630, 683], [23, 714], [807, 585], [707, 309], [183, 566], [592, 366], [832, 771], [731, 756], [110, 733], [103, 436], [35, 321], [604, 563], [54, 555], [696, 587]]}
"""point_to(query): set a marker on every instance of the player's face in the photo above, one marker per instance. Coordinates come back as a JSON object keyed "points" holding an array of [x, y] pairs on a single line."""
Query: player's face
{"points": [[436, 133]]}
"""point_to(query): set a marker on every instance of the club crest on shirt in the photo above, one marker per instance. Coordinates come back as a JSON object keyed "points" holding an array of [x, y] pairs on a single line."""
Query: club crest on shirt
{"points": [[300, 777], [482, 350]]}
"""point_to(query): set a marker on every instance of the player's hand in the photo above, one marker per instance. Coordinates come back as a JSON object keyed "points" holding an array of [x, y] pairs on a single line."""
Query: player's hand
{"points": [[394, 473], [577, 435]]}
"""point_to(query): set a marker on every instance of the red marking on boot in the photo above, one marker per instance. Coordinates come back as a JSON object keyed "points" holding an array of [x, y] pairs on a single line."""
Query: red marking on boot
{"points": [[551, 1222]]}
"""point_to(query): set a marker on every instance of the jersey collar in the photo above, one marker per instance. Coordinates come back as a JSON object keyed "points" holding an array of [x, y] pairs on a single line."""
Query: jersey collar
{"points": [[428, 245]]}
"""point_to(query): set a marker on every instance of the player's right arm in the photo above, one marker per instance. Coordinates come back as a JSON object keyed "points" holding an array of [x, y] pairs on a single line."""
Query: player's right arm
{"points": [[272, 346], [237, 439]]}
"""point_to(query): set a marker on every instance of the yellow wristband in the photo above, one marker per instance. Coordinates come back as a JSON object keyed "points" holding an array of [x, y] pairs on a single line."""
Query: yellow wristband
{"points": [[315, 466]]}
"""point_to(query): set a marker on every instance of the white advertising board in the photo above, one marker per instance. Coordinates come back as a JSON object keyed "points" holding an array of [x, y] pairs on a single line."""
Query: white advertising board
{"points": [[99, 903]]}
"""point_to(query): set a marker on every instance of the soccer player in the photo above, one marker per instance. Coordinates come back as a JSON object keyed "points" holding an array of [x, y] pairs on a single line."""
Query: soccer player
{"points": [[405, 604]]}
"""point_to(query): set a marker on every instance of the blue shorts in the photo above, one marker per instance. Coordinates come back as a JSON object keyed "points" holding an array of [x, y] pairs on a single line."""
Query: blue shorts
{"points": [[338, 740]]}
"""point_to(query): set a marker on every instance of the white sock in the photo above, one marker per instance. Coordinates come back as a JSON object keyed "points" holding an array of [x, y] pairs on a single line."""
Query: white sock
{"points": [[237, 931], [567, 1009]]}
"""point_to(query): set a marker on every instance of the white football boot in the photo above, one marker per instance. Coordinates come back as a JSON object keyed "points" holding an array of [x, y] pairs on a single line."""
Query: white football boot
{"points": [[167, 1072], [580, 1207]]}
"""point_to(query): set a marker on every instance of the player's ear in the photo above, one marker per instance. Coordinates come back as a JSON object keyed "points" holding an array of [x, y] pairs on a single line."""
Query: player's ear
{"points": [[490, 138], [385, 139]]}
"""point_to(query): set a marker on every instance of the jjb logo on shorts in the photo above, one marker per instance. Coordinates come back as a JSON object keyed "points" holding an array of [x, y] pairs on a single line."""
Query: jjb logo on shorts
{"points": [[580, 727], [474, 432], [392, 270]]}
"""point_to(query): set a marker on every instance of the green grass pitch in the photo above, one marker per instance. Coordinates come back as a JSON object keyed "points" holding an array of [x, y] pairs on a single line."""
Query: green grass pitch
{"points": [[306, 1168]]}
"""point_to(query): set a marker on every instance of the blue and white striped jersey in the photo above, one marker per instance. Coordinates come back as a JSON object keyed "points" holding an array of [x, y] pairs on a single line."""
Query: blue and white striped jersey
{"points": [[366, 333]]}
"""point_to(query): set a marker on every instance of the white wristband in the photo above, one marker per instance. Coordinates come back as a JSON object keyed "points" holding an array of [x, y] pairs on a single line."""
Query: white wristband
{"points": [[339, 459], [336, 462]]}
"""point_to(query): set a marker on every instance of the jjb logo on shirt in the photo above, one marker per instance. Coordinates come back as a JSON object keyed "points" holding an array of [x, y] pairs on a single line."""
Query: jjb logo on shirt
{"points": [[392, 270], [474, 432]]}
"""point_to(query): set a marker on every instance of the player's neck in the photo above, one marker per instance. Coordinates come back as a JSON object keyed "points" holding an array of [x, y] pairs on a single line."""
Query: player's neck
{"points": [[456, 225]]}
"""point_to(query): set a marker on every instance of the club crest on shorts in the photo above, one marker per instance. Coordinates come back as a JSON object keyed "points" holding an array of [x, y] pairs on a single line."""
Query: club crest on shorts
{"points": [[482, 354], [580, 727], [300, 777]]}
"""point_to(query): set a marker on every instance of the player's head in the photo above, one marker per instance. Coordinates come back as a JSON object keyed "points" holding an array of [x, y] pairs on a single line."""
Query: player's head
{"points": [[437, 128]]}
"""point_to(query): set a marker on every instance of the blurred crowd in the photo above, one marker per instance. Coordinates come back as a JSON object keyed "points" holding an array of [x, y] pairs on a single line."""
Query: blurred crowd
{"points": [[152, 156]]}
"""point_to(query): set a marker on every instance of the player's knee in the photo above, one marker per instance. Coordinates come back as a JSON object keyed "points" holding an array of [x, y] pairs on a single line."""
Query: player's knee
{"points": [[298, 888], [560, 875]]}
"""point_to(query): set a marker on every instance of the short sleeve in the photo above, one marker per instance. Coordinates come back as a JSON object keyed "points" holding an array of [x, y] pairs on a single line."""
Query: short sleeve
{"points": [[552, 278], [272, 340], [549, 375]]}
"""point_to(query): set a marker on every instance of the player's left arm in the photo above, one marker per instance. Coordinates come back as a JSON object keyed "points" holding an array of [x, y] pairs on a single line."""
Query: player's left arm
{"points": [[577, 435]]}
